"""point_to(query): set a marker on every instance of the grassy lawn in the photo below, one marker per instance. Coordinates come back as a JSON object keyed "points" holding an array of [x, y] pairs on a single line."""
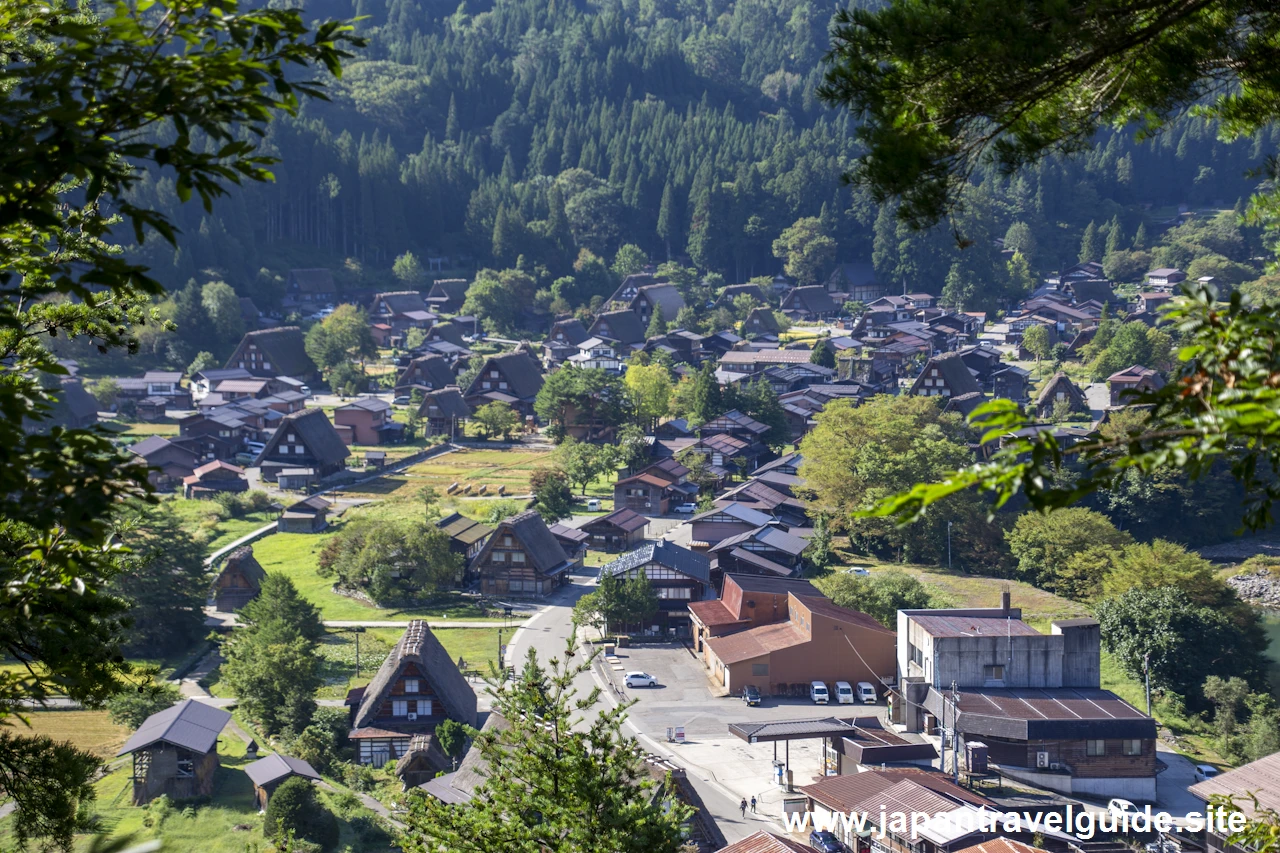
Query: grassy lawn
{"points": [[957, 589], [91, 731], [229, 823], [489, 468], [478, 647], [295, 555], [203, 518], [141, 430]]}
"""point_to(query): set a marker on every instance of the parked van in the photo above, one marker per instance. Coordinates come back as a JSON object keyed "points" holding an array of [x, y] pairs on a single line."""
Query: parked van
{"points": [[844, 693], [867, 692], [255, 447], [818, 693]]}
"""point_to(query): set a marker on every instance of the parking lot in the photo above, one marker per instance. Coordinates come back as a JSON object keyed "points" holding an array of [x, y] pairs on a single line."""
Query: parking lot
{"points": [[684, 698]]}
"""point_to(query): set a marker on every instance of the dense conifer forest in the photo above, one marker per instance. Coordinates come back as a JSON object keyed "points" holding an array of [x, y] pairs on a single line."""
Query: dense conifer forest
{"points": [[482, 133]]}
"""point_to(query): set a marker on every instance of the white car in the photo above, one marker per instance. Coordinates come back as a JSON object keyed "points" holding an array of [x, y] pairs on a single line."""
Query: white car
{"points": [[593, 505], [859, 571], [1205, 772], [686, 509], [640, 679], [1119, 807]]}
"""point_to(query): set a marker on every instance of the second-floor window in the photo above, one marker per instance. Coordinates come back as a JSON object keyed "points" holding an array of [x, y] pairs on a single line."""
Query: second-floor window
{"points": [[411, 685], [399, 708], [1095, 747]]}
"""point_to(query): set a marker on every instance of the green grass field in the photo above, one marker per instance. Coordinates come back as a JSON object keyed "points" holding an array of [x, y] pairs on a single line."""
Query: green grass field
{"points": [[229, 823], [490, 468], [203, 519], [477, 647], [295, 555]]}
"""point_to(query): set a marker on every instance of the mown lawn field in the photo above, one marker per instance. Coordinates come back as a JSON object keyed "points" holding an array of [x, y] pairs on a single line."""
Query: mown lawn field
{"points": [[228, 823], [477, 647], [296, 555]]}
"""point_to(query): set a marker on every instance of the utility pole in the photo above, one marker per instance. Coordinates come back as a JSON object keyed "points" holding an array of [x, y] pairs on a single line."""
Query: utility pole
{"points": [[948, 546], [1146, 675], [955, 727], [502, 667]]}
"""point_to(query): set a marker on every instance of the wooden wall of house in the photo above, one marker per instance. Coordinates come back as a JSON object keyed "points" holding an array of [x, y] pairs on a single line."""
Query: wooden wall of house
{"points": [[162, 776], [1074, 754], [370, 749]]}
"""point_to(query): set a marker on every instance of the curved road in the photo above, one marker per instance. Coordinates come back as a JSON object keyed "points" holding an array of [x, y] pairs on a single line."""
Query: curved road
{"points": [[548, 631]]}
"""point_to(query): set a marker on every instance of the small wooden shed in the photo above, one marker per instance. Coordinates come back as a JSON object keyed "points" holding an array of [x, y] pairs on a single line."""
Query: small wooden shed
{"points": [[175, 752], [268, 773]]}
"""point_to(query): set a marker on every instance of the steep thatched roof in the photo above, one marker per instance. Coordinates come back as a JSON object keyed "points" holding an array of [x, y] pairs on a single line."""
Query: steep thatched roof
{"points": [[315, 431], [419, 646]]}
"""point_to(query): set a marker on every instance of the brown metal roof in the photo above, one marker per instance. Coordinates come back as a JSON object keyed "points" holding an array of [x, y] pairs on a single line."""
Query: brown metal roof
{"points": [[714, 613], [1259, 778], [1065, 703], [1001, 845], [767, 842], [974, 626], [824, 607], [756, 642]]}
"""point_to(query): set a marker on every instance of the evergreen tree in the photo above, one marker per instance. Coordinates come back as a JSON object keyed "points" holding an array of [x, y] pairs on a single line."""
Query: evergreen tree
{"points": [[1140, 238], [1115, 236], [1091, 244], [554, 786], [271, 661], [162, 578], [823, 355]]}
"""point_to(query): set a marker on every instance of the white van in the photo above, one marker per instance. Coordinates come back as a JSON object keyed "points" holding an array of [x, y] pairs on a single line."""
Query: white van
{"points": [[818, 693], [844, 693], [867, 692]]}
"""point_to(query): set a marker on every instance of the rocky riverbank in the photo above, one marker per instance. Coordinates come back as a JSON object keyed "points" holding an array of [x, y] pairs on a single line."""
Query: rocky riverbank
{"points": [[1260, 587]]}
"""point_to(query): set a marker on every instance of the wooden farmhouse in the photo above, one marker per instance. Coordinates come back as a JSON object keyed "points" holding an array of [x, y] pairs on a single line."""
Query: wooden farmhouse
{"points": [[522, 558], [417, 687], [239, 582]]}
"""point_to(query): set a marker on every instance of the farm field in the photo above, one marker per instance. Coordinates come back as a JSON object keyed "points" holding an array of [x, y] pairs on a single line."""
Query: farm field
{"points": [[491, 468], [957, 589], [91, 731]]}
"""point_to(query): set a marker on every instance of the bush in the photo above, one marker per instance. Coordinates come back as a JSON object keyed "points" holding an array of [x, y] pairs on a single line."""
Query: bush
{"points": [[131, 707], [294, 808], [359, 777]]}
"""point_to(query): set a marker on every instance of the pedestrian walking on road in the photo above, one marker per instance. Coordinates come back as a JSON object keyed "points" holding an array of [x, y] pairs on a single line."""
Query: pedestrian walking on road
{"points": [[753, 806], [743, 805]]}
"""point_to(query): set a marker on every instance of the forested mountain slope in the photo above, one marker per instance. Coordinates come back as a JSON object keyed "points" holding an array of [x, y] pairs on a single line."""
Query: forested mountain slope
{"points": [[485, 131]]}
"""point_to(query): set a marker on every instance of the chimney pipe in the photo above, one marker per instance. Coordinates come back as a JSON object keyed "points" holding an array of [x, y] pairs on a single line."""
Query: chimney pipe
{"points": [[1004, 600]]}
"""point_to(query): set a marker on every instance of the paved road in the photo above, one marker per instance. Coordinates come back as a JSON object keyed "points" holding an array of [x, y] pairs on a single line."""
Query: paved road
{"points": [[547, 632]]}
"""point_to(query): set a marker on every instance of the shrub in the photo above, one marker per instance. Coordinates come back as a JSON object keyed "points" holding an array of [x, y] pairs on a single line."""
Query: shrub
{"points": [[294, 808]]}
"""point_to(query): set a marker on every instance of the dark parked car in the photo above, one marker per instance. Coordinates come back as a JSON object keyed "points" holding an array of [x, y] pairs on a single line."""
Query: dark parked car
{"points": [[825, 842], [751, 695]]}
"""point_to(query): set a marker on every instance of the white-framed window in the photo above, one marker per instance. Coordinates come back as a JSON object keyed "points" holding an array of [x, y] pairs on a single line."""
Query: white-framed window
{"points": [[499, 556], [399, 708], [266, 365], [517, 556], [291, 438], [411, 685], [1132, 747]]}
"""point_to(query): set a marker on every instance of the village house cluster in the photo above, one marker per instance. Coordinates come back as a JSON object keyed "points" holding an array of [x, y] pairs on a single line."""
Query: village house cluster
{"points": [[968, 694]]}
